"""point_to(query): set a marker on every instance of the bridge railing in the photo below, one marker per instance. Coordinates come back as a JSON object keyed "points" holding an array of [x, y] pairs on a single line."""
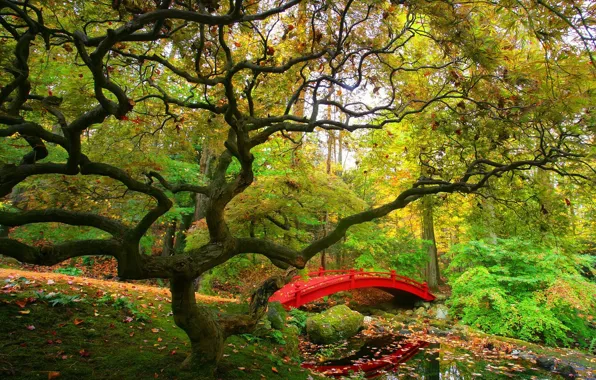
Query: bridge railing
{"points": [[391, 274], [341, 275]]}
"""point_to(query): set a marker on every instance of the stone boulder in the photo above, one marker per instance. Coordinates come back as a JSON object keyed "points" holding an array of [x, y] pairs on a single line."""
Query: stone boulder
{"points": [[441, 312], [546, 362], [334, 325]]}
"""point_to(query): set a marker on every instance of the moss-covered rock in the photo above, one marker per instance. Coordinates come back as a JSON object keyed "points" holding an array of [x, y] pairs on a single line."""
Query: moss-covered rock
{"points": [[276, 314], [333, 325]]}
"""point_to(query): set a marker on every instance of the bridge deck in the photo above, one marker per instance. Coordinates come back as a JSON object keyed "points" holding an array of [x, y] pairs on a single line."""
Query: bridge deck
{"points": [[326, 282]]}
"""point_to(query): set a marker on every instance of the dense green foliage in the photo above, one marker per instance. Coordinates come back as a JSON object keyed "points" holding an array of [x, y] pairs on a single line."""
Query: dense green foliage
{"points": [[518, 289], [379, 250]]}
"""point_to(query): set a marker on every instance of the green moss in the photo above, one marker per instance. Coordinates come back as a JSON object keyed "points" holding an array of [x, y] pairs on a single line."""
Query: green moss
{"points": [[276, 314], [333, 325]]}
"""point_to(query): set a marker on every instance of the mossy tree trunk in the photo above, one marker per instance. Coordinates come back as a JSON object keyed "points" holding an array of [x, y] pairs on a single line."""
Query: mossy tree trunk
{"points": [[206, 331], [200, 324]]}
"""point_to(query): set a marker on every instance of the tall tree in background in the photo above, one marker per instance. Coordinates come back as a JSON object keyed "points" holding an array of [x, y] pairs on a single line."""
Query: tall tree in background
{"points": [[502, 89], [428, 234]]}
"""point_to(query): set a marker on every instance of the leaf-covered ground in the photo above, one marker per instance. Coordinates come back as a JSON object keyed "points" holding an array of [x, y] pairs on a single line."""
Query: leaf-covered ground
{"points": [[110, 330], [59, 326]]}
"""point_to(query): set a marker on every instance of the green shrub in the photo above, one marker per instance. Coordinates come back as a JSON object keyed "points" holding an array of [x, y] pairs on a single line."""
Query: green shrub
{"points": [[70, 271], [514, 288], [88, 261]]}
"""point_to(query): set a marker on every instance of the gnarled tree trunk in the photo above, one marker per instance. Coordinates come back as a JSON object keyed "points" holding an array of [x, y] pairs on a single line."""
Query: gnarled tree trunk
{"points": [[199, 323], [206, 331]]}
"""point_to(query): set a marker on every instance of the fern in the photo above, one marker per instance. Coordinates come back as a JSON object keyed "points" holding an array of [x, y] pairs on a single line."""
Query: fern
{"points": [[298, 319], [58, 299]]}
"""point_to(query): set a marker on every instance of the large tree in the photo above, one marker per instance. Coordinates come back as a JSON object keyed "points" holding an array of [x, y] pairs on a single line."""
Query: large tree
{"points": [[493, 89]]}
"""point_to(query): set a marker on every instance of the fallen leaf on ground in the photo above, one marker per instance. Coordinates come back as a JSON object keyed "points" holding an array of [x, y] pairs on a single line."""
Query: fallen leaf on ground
{"points": [[78, 321], [30, 327], [84, 353], [53, 375]]}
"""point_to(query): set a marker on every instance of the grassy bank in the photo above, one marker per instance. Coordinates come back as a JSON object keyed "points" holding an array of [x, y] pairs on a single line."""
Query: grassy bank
{"points": [[72, 328]]}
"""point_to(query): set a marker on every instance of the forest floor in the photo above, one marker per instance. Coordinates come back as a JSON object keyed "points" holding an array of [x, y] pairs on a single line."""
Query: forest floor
{"points": [[112, 330], [114, 286], [68, 327]]}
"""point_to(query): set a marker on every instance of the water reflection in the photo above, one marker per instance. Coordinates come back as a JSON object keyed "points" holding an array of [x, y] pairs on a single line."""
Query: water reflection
{"points": [[375, 357], [391, 358]]}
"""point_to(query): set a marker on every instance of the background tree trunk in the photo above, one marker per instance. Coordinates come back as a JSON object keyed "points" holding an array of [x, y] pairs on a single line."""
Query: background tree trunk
{"points": [[428, 233], [168, 240]]}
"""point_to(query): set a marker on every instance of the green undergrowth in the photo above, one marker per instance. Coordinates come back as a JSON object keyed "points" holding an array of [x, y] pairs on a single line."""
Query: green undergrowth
{"points": [[518, 289], [92, 333]]}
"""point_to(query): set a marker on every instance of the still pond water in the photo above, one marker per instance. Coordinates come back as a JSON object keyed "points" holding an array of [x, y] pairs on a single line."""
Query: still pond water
{"points": [[391, 358]]}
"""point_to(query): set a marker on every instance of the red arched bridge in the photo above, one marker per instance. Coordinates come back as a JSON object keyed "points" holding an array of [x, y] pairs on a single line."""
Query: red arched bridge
{"points": [[326, 282]]}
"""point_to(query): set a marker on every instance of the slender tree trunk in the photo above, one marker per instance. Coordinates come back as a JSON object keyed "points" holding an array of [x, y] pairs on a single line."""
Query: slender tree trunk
{"points": [[340, 155], [168, 240], [330, 144], [490, 207], [428, 233], [180, 242]]}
